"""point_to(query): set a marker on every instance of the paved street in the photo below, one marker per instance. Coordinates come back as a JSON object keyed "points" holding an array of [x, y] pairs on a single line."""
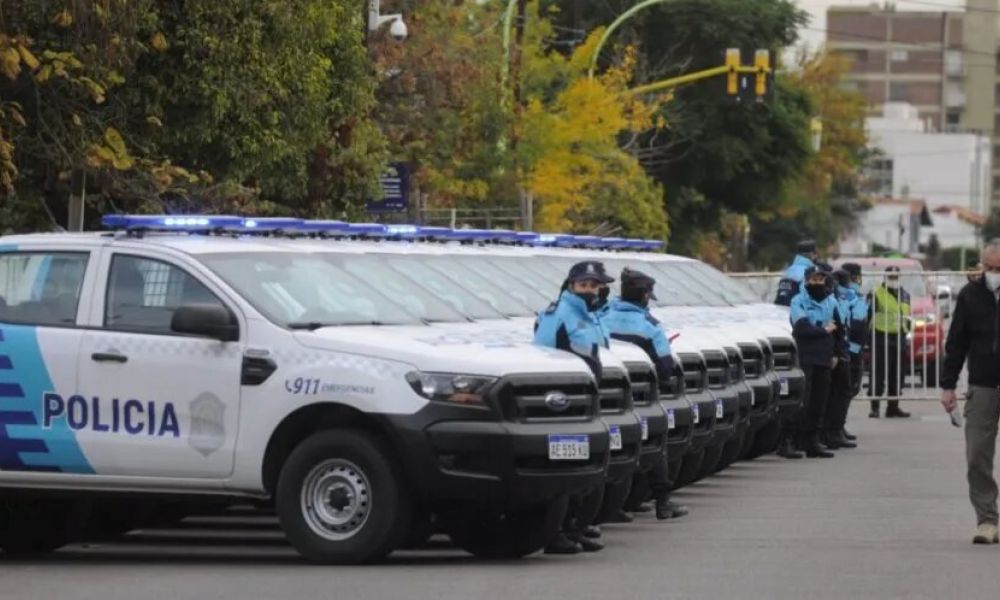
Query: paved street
{"points": [[889, 520]]}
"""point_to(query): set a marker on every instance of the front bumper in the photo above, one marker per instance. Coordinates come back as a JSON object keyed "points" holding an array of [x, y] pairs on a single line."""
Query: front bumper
{"points": [[766, 389], [653, 425], [703, 422], [679, 437], [623, 463], [791, 388], [727, 403]]}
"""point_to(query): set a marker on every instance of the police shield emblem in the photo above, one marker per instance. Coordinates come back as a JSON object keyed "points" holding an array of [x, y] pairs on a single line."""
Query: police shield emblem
{"points": [[208, 424]]}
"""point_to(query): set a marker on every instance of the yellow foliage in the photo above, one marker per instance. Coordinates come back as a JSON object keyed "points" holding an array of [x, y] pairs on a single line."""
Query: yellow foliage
{"points": [[159, 42], [63, 19]]}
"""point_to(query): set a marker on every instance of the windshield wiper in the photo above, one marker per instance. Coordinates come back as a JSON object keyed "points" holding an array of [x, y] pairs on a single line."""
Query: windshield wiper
{"points": [[309, 326]]}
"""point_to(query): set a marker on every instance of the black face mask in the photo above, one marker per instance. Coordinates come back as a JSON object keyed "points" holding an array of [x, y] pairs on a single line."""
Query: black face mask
{"points": [[817, 291], [602, 297], [589, 298]]}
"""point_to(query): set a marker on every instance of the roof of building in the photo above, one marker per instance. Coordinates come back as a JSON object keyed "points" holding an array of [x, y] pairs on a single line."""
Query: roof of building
{"points": [[963, 213]]}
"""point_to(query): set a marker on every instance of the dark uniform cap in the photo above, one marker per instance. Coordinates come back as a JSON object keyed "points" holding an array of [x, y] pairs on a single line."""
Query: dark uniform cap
{"points": [[825, 267], [892, 269], [852, 268], [806, 247], [637, 281], [843, 277], [590, 269]]}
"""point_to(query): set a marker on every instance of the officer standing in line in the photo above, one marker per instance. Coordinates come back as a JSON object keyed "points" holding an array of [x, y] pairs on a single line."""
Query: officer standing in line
{"points": [[628, 319], [857, 334], [840, 383], [890, 309], [815, 318], [570, 324], [791, 281]]}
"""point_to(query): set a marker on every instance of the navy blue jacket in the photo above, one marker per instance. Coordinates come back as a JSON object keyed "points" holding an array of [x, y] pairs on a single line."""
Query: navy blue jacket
{"points": [[816, 345]]}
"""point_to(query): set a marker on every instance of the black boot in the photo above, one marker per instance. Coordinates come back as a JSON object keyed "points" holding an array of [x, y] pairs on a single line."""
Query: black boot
{"points": [[838, 440], [592, 531], [787, 450], [585, 543], [665, 509], [894, 412], [563, 545], [874, 412], [849, 435], [621, 517], [814, 449]]}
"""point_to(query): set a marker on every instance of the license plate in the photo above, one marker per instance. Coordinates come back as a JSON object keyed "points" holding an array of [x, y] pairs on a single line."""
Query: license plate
{"points": [[671, 419], [784, 386], [645, 428], [695, 416], [616, 438], [719, 410], [569, 447]]}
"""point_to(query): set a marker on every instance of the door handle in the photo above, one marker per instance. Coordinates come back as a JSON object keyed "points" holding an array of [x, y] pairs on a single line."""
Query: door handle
{"points": [[108, 357]]}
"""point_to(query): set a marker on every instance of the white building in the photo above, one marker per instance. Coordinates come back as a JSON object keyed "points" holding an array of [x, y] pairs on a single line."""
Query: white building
{"points": [[894, 223], [950, 172]]}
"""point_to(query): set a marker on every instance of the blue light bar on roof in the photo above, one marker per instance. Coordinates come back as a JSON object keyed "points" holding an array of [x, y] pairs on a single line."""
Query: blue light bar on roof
{"points": [[433, 232], [265, 224], [324, 227], [367, 229], [470, 235], [170, 222], [614, 243], [652, 244]]}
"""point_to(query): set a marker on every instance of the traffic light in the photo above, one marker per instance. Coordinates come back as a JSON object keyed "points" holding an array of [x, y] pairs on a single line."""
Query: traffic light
{"points": [[762, 63], [733, 76]]}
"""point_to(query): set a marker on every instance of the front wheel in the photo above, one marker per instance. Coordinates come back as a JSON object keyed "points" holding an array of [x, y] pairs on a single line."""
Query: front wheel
{"points": [[341, 500], [511, 534]]}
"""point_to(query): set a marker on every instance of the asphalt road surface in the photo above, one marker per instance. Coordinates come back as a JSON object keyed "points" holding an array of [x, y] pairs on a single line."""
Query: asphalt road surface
{"points": [[888, 520]]}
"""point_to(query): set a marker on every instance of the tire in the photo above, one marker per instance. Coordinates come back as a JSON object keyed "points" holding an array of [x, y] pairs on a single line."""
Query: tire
{"points": [[690, 468], [748, 441], [39, 526], [731, 451], [766, 440], [613, 502], [357, 471], [514, 534]]}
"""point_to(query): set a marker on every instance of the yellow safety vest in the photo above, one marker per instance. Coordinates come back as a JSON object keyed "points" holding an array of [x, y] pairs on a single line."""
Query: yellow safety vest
{"points": [[889, 313]]}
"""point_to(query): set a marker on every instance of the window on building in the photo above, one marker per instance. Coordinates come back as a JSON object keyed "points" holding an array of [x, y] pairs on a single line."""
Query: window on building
{"points": [[878, 176], [899, 56], [899, 92]]}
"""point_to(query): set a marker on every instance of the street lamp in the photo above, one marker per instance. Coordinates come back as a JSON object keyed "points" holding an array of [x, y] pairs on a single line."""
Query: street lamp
{"points": [[397, 30]]}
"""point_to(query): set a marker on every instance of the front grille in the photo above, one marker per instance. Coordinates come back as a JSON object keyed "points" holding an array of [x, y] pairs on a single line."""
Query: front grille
{"points": [[736, 373], [614, 394], [753, 361], [522, 398], [765, 347], [695, 372], [674, 387], [644, 385], [784, 354], [718, 368]]}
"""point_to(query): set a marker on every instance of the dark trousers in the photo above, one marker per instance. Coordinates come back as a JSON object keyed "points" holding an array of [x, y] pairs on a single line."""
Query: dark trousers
{"points": [[816, 394], [840, 397], [887, 351], [654, 483], [583, 509], [857, 374]]}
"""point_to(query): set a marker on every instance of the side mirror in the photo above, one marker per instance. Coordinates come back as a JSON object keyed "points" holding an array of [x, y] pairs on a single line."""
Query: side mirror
{"points": [[206, 320]]}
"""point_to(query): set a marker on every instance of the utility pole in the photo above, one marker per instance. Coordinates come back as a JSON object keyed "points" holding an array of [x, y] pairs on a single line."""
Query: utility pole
{"points": [[77, 200]]}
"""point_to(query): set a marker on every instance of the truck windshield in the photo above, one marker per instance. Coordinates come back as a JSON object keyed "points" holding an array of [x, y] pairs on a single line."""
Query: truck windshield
{"points": [[418, 272], [525, 292], [480, 284], [733, 291], [304, 291]]}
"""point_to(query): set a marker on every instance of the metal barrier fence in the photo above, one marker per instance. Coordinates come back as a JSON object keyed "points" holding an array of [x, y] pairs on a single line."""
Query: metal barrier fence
{"points": [[902, 357]]}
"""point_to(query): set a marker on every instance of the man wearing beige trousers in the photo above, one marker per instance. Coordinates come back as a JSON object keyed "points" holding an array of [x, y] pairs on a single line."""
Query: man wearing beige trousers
{"points": [[974, 337]]}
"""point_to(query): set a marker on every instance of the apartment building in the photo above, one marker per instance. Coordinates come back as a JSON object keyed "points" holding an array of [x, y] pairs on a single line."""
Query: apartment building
{"points": [[943, 62]]}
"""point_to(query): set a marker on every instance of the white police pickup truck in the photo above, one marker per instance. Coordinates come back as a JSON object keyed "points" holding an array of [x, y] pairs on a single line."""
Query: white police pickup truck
{"points": [[155, 362]]}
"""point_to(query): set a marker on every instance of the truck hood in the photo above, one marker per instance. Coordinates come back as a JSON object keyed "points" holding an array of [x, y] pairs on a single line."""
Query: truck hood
{"points": [[437, 349]]}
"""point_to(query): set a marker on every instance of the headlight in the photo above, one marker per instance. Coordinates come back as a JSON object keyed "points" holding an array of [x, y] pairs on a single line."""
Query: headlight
{"points": [[466, 390], [924, 320]]}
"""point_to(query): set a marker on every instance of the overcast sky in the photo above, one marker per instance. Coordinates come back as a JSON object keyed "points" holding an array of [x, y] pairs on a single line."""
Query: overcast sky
{"points": [[817, 9]]}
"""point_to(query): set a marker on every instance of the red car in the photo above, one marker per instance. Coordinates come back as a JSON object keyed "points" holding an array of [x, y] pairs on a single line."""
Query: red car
{"points": [[927, 314]]}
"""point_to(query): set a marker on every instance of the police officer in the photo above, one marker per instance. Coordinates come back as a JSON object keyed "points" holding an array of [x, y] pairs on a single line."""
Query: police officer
{"points": [[571, 324], [791, 281], [816, 321], [840, 383], [890, 309], [858, 333], [628, 319]]}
